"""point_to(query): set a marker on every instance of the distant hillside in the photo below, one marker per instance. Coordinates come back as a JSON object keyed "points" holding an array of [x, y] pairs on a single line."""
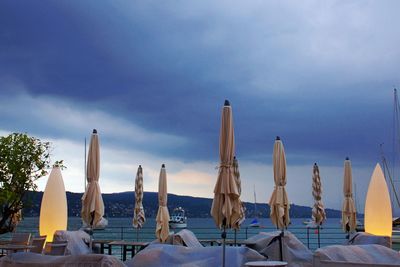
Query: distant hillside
{"points": [[121, 205]]}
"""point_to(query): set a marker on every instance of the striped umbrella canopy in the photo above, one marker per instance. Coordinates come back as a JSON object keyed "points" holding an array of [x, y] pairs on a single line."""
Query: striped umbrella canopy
{"points": [[226, 205], [236, 174], [279, 202], [138, 213], [92, 202], [318, 211], [162, 227], [349, 219]]}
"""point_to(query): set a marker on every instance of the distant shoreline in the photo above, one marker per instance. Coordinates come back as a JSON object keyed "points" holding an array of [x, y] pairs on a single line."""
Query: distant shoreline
{"points": [[120, 205]]}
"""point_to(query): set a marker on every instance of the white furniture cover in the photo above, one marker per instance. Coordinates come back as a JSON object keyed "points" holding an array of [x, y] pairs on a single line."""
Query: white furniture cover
{"points": [[156, 255], [186, 238], [38, 260], [295, 253], [362, 238], [356, 255], [76, 241]]}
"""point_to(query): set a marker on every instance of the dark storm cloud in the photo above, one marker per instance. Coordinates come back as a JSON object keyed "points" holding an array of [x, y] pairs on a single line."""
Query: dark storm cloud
{"points": [[318, 74]]}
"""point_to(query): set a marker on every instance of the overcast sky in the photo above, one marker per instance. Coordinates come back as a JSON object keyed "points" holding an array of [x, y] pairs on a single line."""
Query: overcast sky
{"points": [[152, 76]]}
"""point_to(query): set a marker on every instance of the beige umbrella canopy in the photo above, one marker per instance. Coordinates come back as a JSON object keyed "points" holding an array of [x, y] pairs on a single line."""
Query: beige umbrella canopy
{"points": [[318, 211], [92, 202], [162, 227], [226, 206], [349, 220], [138, 213], [279, 202]]}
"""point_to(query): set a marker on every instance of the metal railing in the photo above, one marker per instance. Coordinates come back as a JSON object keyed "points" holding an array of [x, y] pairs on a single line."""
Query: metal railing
{"points": [[310, 237]]}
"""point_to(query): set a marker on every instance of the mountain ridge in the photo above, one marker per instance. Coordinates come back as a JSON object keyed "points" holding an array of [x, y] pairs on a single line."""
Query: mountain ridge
{"points": [[122, 204]]}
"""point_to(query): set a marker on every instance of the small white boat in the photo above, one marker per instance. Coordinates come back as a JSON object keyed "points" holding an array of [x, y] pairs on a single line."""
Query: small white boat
{"points": [[255, 223], [178, 218]]}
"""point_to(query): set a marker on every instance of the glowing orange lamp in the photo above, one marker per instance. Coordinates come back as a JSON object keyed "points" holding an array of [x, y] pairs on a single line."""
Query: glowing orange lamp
{"points": [[53, 211], [378, 208]]}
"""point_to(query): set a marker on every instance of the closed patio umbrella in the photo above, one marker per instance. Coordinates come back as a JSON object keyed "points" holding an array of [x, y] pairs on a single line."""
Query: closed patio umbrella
{"points": [[226, 206], [162, 227], [92, 202], [236, 174], [279, 202], [138, 213], [349, 219], [318, 212]]}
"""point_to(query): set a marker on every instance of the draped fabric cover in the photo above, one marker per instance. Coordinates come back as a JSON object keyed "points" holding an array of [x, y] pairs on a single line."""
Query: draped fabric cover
{"points": [[138, 213], [279, 202], [226, 208], [92, 201], [162, 227]]}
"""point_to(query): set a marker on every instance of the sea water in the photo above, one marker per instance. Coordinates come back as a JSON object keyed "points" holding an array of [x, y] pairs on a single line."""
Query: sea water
{"points": [[204, 228]]}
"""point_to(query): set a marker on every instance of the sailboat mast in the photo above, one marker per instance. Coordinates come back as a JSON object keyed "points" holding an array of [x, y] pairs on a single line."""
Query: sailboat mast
{"points": [[255, 202], [386, 170], [355, 197]]}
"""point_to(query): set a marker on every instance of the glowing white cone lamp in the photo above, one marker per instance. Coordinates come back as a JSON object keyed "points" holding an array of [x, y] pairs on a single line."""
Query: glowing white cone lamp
{"points": [[378, 209], [53, 211]]}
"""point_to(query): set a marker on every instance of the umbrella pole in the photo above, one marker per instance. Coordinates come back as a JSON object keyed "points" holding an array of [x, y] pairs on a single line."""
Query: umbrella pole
{"points": [[319, 240], [223, 235], [91, 238], [280, 246], [91, 232]]}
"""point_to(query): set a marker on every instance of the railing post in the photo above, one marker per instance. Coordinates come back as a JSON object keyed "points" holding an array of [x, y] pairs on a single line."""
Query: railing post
{"points": [[308, 237], [246, 232], [122, 238], [319, 240]]}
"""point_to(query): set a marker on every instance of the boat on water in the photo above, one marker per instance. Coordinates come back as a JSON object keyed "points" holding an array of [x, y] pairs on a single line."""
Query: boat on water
{"points": [[178, 218], [308, 221], [255, 223]]}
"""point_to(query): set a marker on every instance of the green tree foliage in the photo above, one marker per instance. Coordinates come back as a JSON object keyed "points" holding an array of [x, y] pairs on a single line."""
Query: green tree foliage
{"points": [[23, 160]]}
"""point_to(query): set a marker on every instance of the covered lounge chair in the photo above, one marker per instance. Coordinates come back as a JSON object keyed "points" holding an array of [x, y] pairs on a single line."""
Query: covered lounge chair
{"points": [[186, 238], [362, 238], [156, 255], [77, 241], [38, 260], [356, 255], [295, 253], [184, 249]]}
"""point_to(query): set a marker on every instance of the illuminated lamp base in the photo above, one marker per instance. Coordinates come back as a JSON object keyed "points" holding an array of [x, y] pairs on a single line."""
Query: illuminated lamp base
{"points": [[378, 209], [53, 211]]}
